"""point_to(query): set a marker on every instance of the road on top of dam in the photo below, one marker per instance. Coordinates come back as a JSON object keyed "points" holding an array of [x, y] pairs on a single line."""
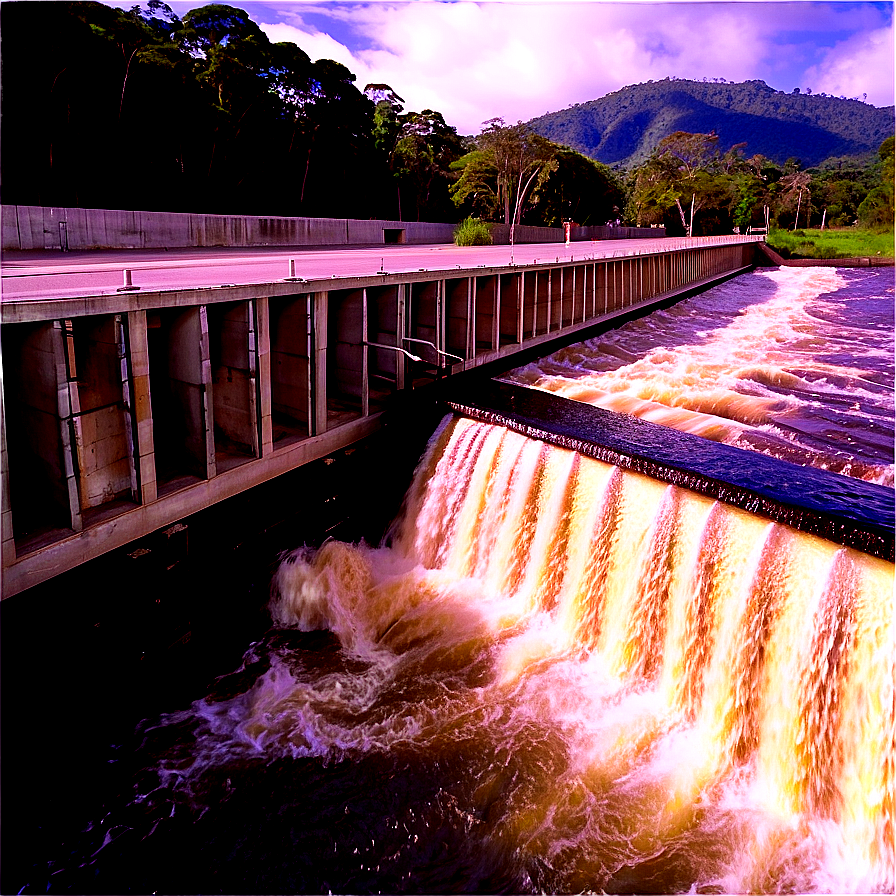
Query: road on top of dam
{"points": [[59, 275]]}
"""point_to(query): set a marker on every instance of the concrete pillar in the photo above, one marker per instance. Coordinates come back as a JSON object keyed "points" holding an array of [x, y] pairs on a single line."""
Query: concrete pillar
{"points": [[319, 302], [130, 424], [67, 405], [263, 375], [401, 330], [254, 414], [441, 305], [471, 319], [208, 395], [7, 538], [365, 358], [496, 312], [141, 406]]}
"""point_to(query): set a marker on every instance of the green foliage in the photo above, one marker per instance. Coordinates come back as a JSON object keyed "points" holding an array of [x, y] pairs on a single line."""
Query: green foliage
{"points": [[877, 209], [472, 232], [203, 113], [851, 242], [624, 127], [505, 163], [728, 190], [687, 178], [422, 154], [578, 189]]}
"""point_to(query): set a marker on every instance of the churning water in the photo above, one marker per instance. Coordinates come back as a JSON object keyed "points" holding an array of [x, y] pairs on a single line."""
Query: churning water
{"points": [[555, 677], [794, 362]]}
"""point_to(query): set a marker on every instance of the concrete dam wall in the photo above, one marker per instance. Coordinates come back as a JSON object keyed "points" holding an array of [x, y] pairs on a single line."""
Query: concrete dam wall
{"points": [[124, 413]]}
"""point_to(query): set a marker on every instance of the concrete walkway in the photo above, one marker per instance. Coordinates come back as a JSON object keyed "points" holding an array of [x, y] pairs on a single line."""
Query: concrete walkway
{"points": [[58, 275]]}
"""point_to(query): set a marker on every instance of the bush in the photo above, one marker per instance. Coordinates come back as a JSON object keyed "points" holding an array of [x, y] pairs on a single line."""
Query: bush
{"points": [[472, 232]]}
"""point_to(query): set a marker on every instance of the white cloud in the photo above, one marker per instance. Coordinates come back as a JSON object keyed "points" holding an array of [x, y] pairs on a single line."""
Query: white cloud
{"points": [[476, 60], [863, 64], [316, 44]]}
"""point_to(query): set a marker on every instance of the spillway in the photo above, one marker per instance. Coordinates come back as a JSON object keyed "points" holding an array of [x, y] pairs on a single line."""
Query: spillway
{"points": [[667, 693]]}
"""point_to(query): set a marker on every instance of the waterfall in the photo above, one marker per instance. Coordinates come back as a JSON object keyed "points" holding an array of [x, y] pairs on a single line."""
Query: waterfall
{"points": [[700, 661]]}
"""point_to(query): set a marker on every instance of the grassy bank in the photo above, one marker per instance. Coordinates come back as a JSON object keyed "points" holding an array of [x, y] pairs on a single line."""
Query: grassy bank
{"points": [[847, 243]]}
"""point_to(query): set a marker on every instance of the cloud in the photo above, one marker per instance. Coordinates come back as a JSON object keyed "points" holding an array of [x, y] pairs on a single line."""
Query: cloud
{"points": [[477, 60], [316, 44], [862, 64]]}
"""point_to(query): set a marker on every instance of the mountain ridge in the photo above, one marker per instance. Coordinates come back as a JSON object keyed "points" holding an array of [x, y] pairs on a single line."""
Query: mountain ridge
{"points": [[623, 127]]}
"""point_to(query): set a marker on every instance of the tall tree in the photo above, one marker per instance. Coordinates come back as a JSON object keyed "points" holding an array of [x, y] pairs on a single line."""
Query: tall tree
{"points": [[423, 153], [505, 163], [578, 189], [877, 209], [793, 186]]}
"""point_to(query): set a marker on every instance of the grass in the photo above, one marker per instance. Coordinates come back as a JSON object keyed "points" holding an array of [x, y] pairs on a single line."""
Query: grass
{"points": [[472, 232], [850, 242]]}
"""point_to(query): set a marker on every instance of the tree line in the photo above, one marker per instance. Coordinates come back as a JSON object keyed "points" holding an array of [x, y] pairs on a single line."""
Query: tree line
{"points": [[689, 185], [141, 108]]}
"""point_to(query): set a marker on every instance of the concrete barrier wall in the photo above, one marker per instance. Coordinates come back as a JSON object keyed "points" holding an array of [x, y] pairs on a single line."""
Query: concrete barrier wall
{"points": [[35, 227], [27, 227], [607, 232]]}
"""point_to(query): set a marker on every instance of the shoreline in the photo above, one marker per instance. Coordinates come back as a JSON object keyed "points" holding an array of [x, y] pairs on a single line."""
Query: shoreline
{"points": [[868, 261]]}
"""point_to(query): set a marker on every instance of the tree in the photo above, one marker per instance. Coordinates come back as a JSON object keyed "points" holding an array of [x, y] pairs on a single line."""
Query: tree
{"points": [[691, 161], [877, 209], [423, 153], [504, 164], [418, 148], [679, 174], [793, 186], [578, 189]]}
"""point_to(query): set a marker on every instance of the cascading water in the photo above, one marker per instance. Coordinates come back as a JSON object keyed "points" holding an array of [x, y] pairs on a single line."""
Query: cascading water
{"points": [[653, 691], [557, 675]]}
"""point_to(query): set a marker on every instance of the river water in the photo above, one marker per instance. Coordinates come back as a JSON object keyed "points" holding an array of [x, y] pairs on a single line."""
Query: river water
{"points": [[794, 362], [557, 676]]}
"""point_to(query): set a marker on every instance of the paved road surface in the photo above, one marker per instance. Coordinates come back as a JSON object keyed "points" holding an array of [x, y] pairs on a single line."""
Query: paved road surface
{"points": [[57, 275]]}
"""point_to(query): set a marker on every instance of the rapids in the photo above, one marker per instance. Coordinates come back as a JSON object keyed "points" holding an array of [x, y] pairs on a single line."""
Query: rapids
{"points": [[794, 362]]}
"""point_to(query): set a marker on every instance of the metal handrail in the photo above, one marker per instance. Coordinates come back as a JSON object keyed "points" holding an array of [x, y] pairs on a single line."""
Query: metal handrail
{"points": [[436, 350], [394, 348]]}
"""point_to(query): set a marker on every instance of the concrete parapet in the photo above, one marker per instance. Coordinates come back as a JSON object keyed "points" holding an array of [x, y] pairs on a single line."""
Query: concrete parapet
{"points": [[34, 227], [26, 227], [612, 232]]}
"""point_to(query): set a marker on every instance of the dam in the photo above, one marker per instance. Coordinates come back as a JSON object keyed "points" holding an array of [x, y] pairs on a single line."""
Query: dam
{"points": [[138, 390], [592, 653]]}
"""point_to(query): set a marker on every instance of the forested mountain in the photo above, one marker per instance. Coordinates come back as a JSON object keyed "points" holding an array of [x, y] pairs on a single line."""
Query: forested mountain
{"points": [[144, 109], [623, 127]]}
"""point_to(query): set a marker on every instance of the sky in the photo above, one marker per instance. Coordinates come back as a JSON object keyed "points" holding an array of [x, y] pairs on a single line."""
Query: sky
{"points": [[473, 61]]}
